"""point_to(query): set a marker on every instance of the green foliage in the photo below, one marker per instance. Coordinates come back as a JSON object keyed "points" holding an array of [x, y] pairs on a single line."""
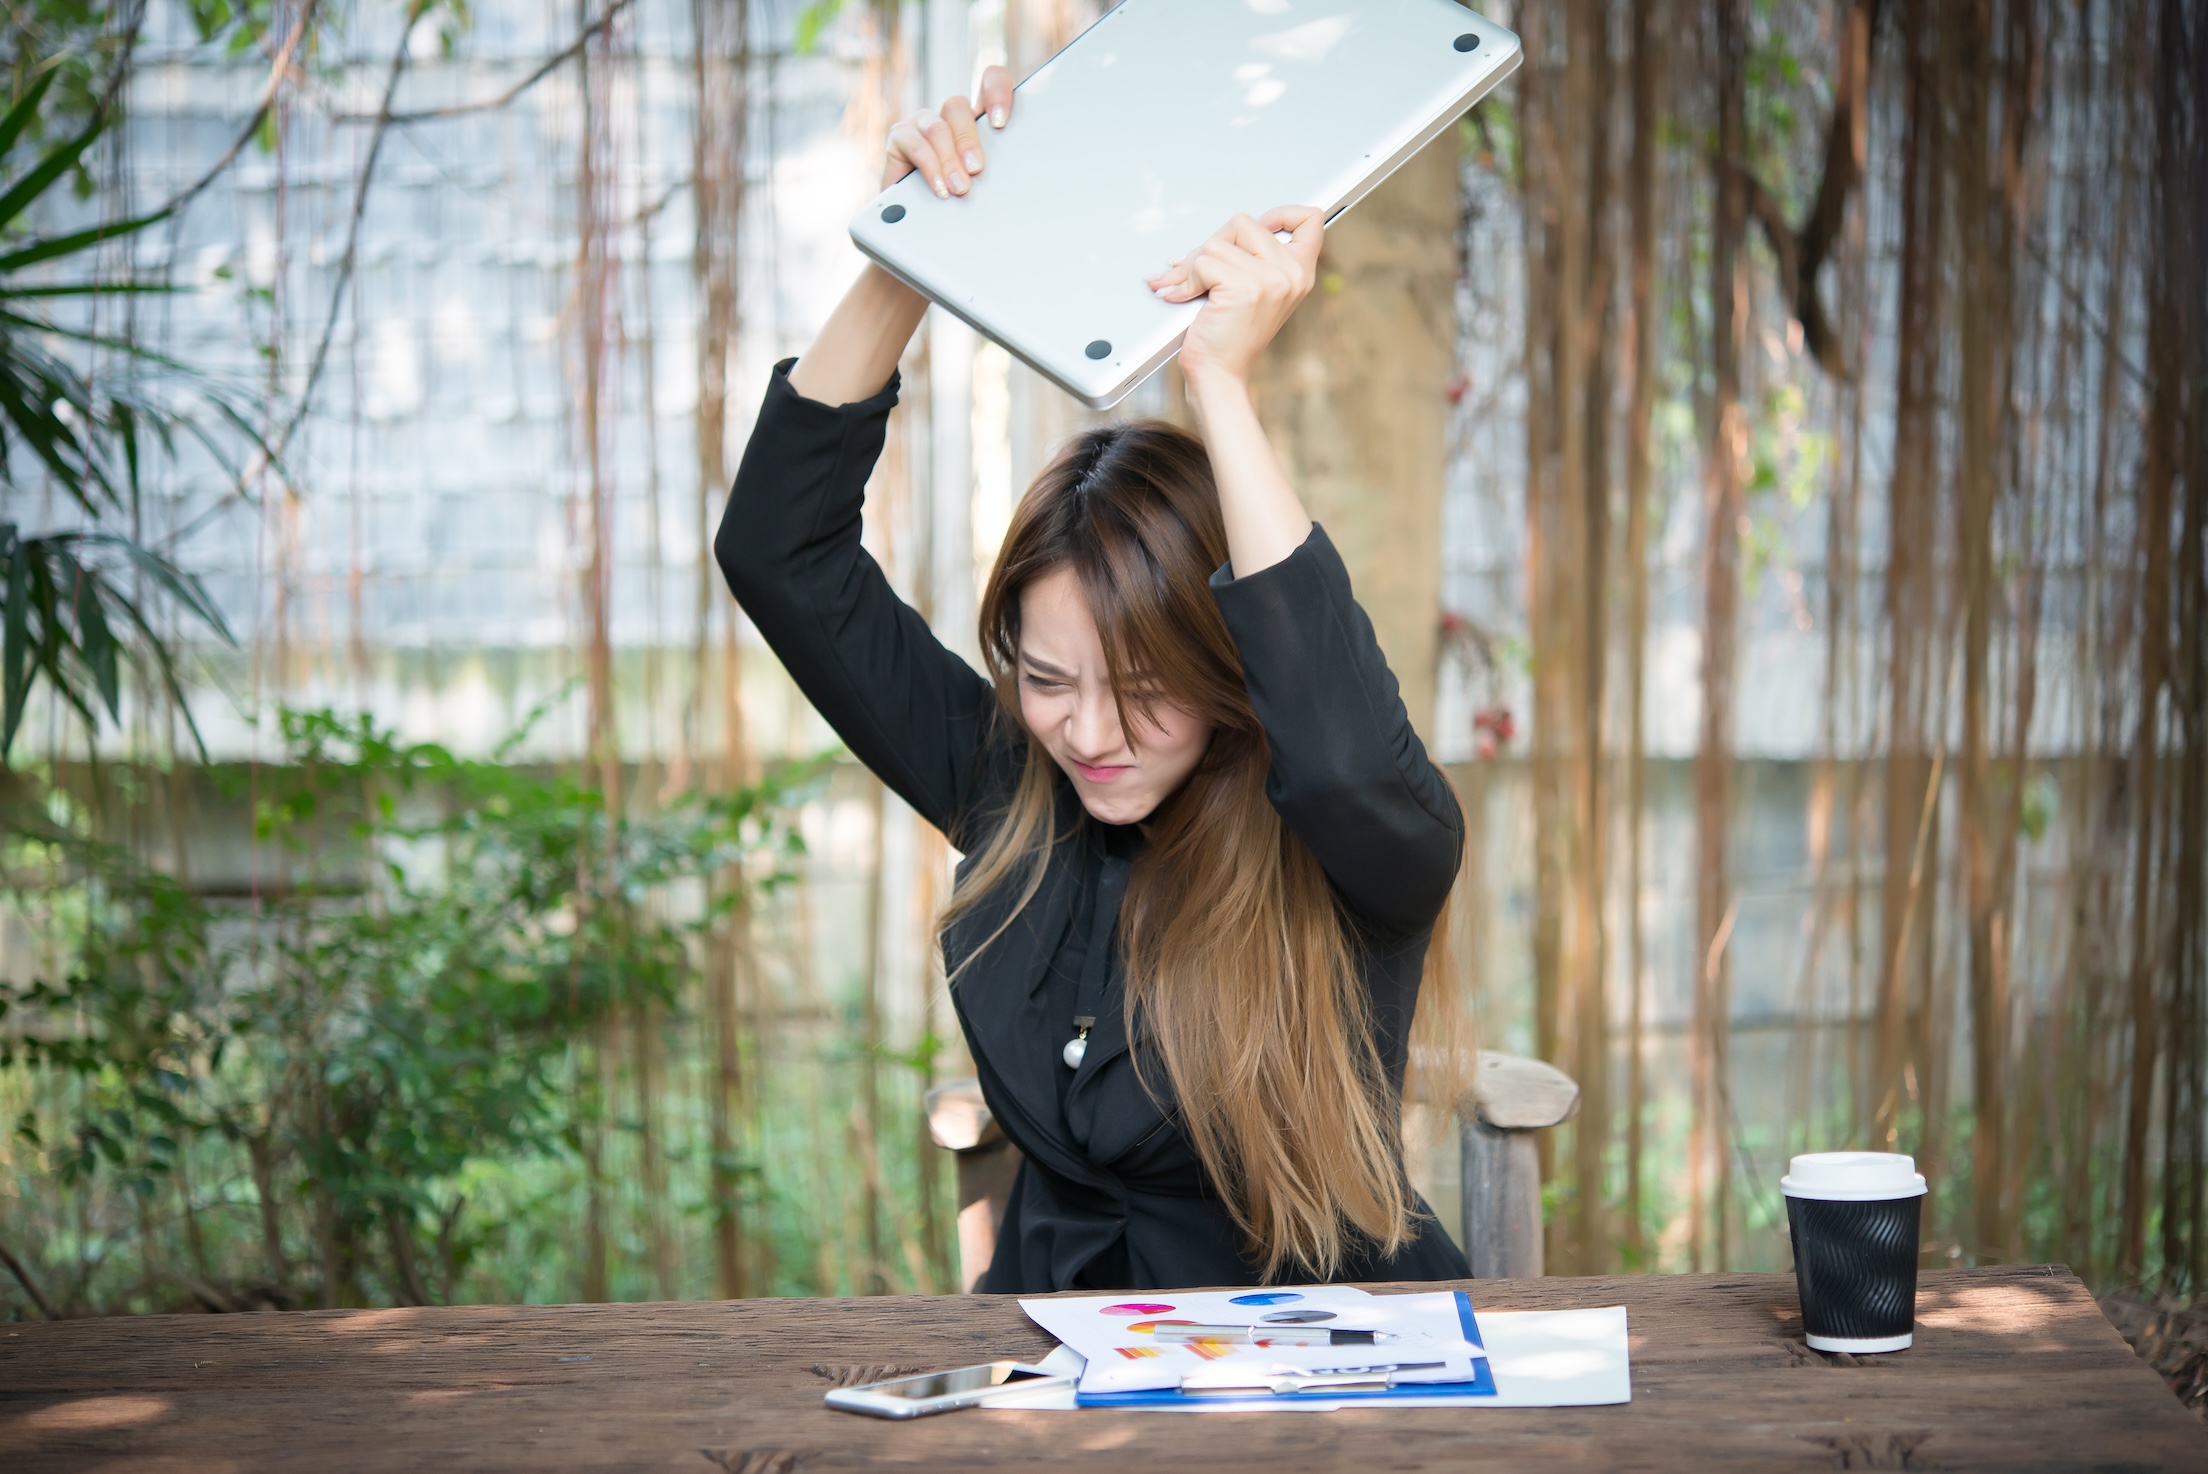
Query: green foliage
{"points": [[67, 620], [1490, 134], [85, 438], [439, 941], [70, 45], [2041, 801], [238, 26], [70, 614], [814, 19], [1786, 457], [1788, 102], [80, 47]]}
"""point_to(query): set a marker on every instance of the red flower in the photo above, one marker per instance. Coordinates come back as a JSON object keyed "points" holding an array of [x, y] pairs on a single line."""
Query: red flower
{"points": [[1496, 727]]}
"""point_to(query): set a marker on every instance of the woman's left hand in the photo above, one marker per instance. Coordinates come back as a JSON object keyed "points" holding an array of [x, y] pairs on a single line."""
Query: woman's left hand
{"points": [[1254, 281]]}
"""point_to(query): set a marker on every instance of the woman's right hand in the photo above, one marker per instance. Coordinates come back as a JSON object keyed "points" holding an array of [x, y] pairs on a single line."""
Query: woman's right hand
{"points": [[944, 143]]}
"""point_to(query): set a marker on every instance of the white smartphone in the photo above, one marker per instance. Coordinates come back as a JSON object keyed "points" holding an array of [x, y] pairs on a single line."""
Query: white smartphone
{"points": [[940, 1392]]}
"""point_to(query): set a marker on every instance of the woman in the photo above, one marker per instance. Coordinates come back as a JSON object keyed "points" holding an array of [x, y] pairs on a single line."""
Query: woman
{"points": [[1205, 851]]}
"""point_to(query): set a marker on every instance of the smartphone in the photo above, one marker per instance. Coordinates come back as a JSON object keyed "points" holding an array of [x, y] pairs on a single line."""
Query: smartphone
{"points": [[939, 1392]]}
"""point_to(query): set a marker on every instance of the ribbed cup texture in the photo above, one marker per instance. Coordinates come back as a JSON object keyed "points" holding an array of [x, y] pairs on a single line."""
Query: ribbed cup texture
{"points": [[1856, 1266]]}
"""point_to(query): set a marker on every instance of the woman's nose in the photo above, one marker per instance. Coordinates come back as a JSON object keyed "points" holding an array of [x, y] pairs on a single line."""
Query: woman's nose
{"points": [[1094, 731]]}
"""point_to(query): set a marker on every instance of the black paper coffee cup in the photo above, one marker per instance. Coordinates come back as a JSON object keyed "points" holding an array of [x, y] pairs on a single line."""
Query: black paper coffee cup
{"points": [[1853, 1217]]}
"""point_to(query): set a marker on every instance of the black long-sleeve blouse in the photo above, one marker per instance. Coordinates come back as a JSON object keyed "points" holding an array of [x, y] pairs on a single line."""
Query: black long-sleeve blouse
{"points": [[1111, 1195]]}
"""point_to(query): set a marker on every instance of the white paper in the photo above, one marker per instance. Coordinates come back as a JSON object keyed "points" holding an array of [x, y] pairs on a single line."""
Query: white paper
{"points": [[1120, 1336], [1557, 1358], [1541, 1358]]}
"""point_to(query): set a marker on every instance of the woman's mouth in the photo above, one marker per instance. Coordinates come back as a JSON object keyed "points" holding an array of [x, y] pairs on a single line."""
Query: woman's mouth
{"points": [[1102, 775]]}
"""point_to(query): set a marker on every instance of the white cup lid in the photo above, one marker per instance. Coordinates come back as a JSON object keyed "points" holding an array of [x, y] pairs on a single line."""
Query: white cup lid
{"points": [[1853, 1177]]}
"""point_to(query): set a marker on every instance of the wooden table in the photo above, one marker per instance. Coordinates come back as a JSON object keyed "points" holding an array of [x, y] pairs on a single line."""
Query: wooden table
{"points": [[2014, 1369]]}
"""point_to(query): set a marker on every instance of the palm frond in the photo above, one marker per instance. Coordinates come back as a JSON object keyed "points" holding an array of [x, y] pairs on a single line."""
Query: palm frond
{"points": [[67, 621], [91, 289], [69, 245], [26, 108], [67, 618], [59, 160]]}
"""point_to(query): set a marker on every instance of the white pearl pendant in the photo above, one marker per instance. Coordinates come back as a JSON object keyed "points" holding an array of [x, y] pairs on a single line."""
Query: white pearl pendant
{"points": [[1073, 1052]]}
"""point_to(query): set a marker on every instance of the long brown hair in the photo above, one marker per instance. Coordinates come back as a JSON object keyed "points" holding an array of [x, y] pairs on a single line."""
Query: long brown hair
{"points": [[1239, 959]]}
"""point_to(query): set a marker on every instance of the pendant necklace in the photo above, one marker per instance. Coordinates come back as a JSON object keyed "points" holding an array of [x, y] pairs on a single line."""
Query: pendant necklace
{"points": [[1088, 999]]}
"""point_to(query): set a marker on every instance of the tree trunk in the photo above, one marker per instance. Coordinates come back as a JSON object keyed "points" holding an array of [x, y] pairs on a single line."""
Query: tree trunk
{"points": [[1596, 355], [2165, 453], [869, 1105], [724, 1084], [1724, 446], [1649, 19], [1558, 86], [594, 287], [2184, 238], [720, 76], [645, 1022], [1983, 287], [1542, 182], [1910, 598]]}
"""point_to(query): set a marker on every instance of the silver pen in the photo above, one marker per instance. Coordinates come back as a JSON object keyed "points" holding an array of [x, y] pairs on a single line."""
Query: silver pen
{"points": [[1289, 1381]]}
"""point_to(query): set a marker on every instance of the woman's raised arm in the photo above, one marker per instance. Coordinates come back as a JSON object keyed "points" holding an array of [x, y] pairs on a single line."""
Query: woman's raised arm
{"points": [[1349, 774], [790, 542], [1255, 280], [867, 333]]}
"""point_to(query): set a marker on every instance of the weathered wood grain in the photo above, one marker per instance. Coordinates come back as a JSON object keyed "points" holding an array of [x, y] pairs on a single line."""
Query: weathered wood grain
{"points": [[1500, 1228], [2014, 1369], [1513, 1093]]}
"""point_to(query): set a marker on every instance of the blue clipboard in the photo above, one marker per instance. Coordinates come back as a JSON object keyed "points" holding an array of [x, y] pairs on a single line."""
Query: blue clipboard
{"points": [[1481, 1385]]}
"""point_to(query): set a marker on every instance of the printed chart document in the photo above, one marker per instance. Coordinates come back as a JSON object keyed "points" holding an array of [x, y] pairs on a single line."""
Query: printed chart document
{"points": [[1548, 1358], [1231, 1347]]}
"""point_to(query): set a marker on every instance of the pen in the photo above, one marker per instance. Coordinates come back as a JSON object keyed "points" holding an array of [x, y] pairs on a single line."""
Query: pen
{"points": [[1274, 1335], [1288, 1381]]}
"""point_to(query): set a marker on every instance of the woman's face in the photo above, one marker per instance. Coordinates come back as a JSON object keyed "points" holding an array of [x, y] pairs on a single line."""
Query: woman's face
{"points": [[1066, 700]]}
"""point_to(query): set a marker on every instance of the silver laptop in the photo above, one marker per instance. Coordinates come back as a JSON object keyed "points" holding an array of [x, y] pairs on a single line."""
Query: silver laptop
{"points": [[1143, 136]]}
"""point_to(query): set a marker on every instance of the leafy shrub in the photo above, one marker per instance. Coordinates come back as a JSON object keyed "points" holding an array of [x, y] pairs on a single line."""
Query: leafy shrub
{"points": [[403, 997]]}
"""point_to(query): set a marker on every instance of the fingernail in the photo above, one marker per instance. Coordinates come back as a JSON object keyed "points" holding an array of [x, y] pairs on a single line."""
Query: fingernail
{"points": [[996, 116], [958, 184], [973, 162], [940, 192]]}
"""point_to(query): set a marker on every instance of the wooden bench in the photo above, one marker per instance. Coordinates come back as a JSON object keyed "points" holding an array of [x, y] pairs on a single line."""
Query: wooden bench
{"points": [[1500, 1230], [959, 1121]]}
